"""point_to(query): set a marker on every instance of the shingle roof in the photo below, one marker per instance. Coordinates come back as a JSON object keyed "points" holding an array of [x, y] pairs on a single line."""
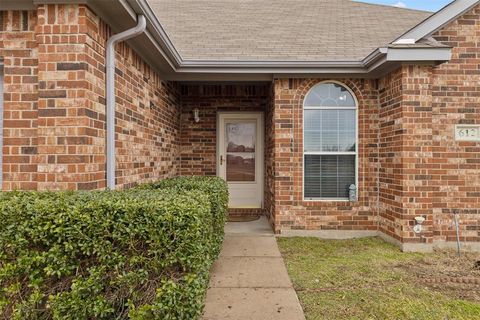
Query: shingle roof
{"points": [[281, 30]]}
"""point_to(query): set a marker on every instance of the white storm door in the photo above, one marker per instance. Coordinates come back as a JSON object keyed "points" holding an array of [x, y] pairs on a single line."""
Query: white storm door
{"points": [[240, 157]]}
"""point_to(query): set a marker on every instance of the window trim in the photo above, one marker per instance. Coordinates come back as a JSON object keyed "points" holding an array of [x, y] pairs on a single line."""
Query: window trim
{"points": [[356, 153]]}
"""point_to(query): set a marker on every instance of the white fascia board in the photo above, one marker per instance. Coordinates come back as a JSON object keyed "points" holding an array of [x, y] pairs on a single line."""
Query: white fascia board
{"points": [[419, 54], [374, 57], [405, 41], [271, 67], [277, 70], [371, 63], [438, 20], [269, 64]]}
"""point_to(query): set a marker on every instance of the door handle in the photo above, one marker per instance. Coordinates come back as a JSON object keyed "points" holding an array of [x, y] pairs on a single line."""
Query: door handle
{"points": [[221, 159]]}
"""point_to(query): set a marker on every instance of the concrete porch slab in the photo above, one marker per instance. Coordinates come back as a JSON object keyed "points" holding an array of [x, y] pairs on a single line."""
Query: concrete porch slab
{"points": [[259, 227], [252, 304]]}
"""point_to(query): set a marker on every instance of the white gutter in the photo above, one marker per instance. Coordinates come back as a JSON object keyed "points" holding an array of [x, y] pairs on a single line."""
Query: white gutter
{"points": [[110, 93]]}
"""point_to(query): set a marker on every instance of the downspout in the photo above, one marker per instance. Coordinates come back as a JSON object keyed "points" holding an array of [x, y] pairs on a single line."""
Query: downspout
{"points": [[110, 93]]}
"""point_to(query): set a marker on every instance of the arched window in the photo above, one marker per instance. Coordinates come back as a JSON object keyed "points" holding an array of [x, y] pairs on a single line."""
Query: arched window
{"points": [[329, 142]]}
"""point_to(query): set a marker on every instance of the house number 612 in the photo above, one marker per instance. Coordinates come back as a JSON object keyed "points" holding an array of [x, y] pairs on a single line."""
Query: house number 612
{"points": [[467, 133]]}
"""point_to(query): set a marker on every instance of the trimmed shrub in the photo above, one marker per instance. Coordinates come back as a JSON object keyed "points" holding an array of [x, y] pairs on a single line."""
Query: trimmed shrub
{"points": [[139, 254], [217, 191]]}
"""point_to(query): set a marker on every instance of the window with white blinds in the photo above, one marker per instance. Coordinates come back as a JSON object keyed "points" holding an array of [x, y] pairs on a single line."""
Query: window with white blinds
{"points": [[330, 142]]}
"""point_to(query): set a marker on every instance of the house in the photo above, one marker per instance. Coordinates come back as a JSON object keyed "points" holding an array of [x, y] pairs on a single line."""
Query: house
{"points": [[335, 118]]}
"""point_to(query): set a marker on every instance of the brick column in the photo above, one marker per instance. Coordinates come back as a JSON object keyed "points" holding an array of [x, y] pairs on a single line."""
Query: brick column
{"points": [[70, 135], [284, 168], [19, 50], [406, 153], [418, 157]]}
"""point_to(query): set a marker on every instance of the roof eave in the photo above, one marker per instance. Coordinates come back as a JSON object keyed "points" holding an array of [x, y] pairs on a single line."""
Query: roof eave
{"points": [[438, 20], [156, 48], [380, 59], [157, 32], [370, 63]]}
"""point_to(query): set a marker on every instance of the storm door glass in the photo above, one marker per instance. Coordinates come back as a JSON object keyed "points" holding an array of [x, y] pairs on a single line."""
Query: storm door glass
{"points": [[240, 151]]}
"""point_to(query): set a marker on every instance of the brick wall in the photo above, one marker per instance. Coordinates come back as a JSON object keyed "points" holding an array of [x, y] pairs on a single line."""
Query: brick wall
{"points": [[409, 161], [69, 145], [147, 112], [390, 148], [291, 211], [199, 140], [55, 105], [19, 51], [423, 170], [405, 144], [456, 100]]}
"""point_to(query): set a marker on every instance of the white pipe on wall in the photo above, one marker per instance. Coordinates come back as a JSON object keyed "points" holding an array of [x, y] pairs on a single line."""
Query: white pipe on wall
{"points": [[110, 93]]}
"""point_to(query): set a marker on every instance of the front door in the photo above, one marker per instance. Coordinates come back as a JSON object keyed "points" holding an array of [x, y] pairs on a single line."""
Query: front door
{"points": [[240, 157]]}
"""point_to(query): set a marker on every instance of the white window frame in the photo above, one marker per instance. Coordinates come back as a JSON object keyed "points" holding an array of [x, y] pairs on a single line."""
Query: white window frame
{"points": [[323, 199]]}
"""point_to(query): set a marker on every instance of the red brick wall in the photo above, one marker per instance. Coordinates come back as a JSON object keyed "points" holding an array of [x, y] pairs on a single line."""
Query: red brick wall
{"points": [[68, 147], [456, 100], [62, 145], [390, 148], [18, 49], [409, 161], [147, 112], [199, 140], [405, 141], [291, 211], [423, 170]]}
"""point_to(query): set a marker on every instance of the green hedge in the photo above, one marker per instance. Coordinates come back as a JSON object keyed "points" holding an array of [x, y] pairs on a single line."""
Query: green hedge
{"points": [[141, 254], [215, 188]]}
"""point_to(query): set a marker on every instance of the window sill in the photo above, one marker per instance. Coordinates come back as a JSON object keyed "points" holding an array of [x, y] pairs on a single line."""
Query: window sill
{"points": [[328, 200]]}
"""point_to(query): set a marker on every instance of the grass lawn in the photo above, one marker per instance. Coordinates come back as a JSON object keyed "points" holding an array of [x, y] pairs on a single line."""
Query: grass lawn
{"points": [[370, 279]]}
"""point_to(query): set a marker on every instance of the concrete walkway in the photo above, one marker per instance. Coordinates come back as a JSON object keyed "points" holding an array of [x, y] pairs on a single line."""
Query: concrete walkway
{"points": [[249, 280]]}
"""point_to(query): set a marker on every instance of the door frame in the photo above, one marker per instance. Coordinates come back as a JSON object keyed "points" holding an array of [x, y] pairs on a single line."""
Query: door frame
{"points": [[261, 148]]}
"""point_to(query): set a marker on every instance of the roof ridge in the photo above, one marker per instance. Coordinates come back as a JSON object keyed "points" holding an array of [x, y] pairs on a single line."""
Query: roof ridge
{"points": [[390, 6]]}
